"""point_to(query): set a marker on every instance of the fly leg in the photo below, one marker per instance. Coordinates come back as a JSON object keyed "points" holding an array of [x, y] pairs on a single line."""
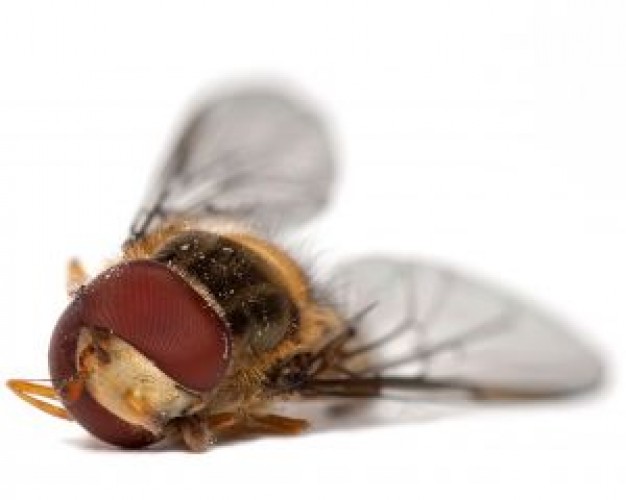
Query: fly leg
{"points": [[76, 276], [27, 390], [277, 424], [199, 434], [241, 426]]}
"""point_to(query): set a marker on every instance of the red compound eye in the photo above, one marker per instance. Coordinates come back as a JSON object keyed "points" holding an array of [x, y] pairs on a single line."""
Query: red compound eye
{"points": [[152, 308]]}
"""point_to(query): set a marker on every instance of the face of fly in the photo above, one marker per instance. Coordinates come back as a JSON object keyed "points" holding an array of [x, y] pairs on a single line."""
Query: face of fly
{"points": [[129, 385]]}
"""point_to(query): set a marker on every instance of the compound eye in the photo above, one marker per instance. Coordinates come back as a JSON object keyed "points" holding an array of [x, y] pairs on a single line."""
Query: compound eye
{"points": [[159, 316]]}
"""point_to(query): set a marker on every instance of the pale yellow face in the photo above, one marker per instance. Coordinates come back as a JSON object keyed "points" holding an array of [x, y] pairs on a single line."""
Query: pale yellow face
{"points": [[129, 385]]}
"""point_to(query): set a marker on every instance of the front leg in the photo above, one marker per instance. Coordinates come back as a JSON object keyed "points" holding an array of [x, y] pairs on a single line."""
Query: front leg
{"points": [[28, 390], [199, 434], [76, 276]]}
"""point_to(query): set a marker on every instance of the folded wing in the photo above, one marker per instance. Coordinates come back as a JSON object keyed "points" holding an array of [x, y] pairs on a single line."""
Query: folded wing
{"points": [[254, 154]]}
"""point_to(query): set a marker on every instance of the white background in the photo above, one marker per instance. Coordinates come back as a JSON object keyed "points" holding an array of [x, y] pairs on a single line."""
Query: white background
{"points": [[489, 135]]}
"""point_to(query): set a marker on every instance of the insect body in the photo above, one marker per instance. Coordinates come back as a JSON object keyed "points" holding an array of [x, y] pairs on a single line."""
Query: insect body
{"points": [[202, 324]]}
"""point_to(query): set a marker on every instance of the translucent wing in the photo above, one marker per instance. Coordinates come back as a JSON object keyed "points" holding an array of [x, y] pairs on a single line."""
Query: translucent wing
{"points": [[255, 154], [418, 327]]}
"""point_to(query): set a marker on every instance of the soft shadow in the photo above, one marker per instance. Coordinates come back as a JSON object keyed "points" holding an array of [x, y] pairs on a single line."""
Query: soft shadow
{"points": [[354, 415], [90, 443], [351, 414], [360, 414]]}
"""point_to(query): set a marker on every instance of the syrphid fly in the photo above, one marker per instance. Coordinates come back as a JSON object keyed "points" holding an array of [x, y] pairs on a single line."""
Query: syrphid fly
{"points": [[205, 322]]}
